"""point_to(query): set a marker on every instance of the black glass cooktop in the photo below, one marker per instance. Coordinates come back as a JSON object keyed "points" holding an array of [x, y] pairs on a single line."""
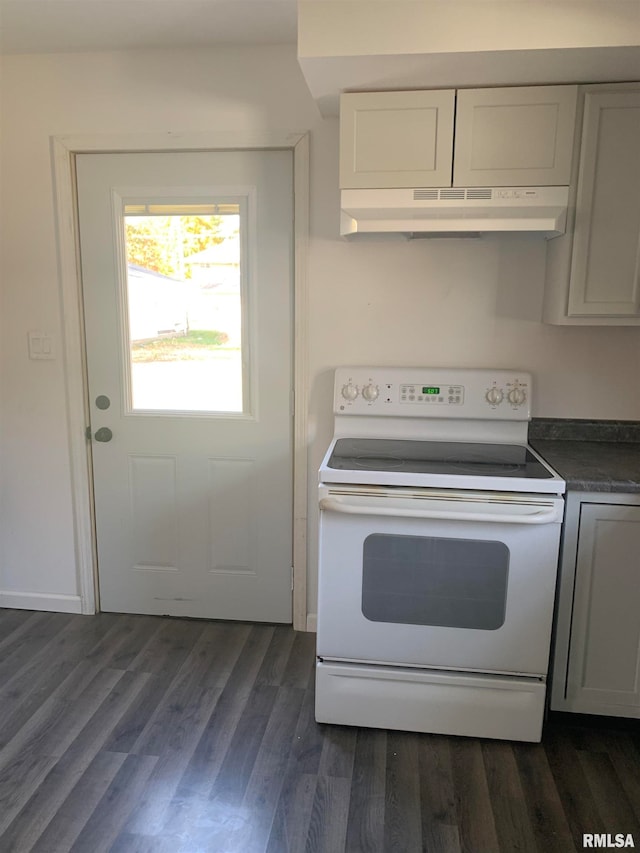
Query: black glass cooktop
{"points": [[436, 457]]}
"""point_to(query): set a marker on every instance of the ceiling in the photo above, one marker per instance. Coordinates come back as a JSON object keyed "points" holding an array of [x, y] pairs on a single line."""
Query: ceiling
{"points": [[52, 26]]}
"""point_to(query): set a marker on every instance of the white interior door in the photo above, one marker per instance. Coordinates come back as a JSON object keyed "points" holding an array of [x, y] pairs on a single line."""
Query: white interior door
{"points": [[187, 281]]}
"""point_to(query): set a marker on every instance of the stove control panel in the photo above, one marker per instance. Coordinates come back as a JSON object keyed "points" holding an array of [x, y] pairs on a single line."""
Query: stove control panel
{"points": [[433, 392], [447, 394]]}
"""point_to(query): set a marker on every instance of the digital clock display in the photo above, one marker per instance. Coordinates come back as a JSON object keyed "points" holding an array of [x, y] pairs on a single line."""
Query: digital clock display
{"points": [[431, 389]]}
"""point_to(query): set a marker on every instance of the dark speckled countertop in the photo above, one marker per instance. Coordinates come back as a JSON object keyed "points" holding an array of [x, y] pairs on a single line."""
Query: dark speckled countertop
{"points": [[592, 456]]}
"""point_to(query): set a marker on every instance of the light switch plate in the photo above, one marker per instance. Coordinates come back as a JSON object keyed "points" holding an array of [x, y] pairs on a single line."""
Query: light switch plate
{"points": [[40, 345]]}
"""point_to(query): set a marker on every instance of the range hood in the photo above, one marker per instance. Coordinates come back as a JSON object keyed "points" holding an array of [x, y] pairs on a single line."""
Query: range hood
{"points": [[455, 210]]}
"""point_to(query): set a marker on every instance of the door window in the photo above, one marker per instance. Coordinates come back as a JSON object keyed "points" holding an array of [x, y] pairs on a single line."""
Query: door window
{"points": [[185, 306], [428, 580]]}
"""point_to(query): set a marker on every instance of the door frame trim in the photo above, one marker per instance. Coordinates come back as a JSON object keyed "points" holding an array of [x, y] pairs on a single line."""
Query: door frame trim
{"points": [[63, 152]]}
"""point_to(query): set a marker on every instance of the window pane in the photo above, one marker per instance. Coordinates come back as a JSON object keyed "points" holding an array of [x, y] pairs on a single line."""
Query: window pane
{"points": [[424, 580], [184, 300]]}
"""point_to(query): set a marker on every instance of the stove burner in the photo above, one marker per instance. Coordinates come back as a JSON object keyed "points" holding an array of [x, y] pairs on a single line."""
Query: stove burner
{"points": [[381, 463], [470, 466]]}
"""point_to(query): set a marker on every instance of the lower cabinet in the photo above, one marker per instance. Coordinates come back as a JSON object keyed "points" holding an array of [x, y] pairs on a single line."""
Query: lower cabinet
{"points": [[596, 657]]}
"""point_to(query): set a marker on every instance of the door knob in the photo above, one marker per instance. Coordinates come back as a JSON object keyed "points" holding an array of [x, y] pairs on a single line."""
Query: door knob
{"points": [[103, 434]]}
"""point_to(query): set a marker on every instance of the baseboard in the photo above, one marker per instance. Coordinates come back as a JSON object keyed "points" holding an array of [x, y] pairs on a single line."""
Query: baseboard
{"points": [[40, 601], [312, 622]]}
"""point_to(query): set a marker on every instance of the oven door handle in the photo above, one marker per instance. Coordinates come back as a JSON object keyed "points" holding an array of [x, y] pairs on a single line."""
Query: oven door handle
{"points": [[536, 516]]}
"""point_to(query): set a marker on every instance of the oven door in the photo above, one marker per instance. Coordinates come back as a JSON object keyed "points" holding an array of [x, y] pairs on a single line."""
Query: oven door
{"points": [[447, 580]]}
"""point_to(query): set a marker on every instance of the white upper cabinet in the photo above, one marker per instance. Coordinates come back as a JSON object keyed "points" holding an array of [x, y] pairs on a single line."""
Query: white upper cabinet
{"points": [[517, 136], [514, 137], [593, 272], [605, 274], [396, 139]]}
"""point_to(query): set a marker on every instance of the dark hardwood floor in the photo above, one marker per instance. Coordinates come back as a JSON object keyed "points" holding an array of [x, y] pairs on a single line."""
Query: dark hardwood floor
{"points": [[138, 734]]}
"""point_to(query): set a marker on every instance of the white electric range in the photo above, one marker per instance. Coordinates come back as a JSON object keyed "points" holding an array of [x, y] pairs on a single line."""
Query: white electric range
{"points": [[439, 538]]}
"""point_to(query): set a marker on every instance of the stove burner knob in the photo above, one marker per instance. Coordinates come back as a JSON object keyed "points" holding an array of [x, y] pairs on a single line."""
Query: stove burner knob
{"points": [[494, 396], [349, 391], [370, 392], [517, 396]]}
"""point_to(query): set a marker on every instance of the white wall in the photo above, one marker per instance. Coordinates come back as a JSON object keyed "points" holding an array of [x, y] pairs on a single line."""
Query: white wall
{"points": [[356, 27], [457, 302], [357, 45]]}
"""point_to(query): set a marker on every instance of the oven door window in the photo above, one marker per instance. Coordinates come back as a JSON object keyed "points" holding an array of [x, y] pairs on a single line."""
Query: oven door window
{"points": [[428, 580]]}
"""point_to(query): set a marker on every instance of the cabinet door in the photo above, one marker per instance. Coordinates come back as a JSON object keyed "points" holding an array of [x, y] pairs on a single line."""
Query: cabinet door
{"points": [[604, 654], [396, 139], [519, 136], [605, 273]]}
